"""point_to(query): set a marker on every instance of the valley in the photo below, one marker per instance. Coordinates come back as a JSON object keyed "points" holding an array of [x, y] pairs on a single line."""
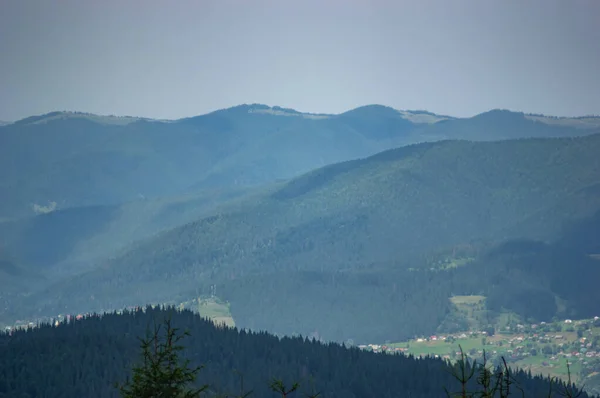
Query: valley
{"points": [[540, 348]]}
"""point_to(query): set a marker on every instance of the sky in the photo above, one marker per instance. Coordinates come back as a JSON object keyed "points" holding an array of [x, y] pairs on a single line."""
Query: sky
{"points": [[172, 59]]}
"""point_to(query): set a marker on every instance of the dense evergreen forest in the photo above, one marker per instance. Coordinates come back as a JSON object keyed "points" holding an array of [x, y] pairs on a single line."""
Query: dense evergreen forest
{"points": [[87, 358], [524, 277], [521, 276]]}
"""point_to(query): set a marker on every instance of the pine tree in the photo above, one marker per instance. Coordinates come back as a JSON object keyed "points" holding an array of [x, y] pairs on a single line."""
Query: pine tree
{"points": [[162, 374]]}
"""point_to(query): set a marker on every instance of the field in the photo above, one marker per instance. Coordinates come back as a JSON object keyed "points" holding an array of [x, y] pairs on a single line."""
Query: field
{"points": [[557, 367], [473, 347], [212, 308], [467, 300], [472, 308], [216, 310]]}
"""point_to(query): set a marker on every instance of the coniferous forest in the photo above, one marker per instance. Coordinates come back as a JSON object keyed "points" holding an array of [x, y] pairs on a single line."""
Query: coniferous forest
{"points": [[89, 357]]}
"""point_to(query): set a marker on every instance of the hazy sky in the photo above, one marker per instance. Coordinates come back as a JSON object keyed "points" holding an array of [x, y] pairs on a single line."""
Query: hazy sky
{"points": [[169, 59]]}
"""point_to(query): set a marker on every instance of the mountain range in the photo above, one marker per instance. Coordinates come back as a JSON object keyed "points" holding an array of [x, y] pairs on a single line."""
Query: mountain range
{"points": [[68, 159], [236, 201], [114, 180]]}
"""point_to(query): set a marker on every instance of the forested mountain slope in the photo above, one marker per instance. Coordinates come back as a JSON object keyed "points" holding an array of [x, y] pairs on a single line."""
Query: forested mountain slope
{"points": [[79, 188], [370, 220]]}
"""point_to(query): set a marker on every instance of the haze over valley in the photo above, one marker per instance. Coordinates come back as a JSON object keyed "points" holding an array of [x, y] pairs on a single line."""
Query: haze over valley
{"points": [[299, 199]]}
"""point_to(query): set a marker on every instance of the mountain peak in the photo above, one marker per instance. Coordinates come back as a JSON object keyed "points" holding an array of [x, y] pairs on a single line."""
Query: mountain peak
{"points": [[373, 109], [413, 116], [499, 115], [500, 111]]}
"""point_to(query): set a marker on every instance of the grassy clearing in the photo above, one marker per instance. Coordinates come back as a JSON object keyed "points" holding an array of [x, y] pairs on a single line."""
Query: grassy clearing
{"points": [[212, 308], [472, 308], [467, 300], [439, 347], [557, 368], [216, 310], [459, 262]]}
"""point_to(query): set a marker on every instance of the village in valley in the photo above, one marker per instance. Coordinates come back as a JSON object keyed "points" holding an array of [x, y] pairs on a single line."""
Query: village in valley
{"points": [[579, 341], [552, 349]]}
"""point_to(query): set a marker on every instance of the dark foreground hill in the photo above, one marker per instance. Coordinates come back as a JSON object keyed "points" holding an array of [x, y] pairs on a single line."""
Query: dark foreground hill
{"points": [[334, 250], [86, 358]]}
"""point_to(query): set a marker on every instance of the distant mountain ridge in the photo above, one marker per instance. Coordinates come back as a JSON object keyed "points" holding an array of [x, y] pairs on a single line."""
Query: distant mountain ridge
{"points": [[78, 159], [281, 111]]}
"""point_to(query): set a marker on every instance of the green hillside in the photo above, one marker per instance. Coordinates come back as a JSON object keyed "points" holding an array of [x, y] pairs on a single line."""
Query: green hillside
{"points": [[352, 234]]}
